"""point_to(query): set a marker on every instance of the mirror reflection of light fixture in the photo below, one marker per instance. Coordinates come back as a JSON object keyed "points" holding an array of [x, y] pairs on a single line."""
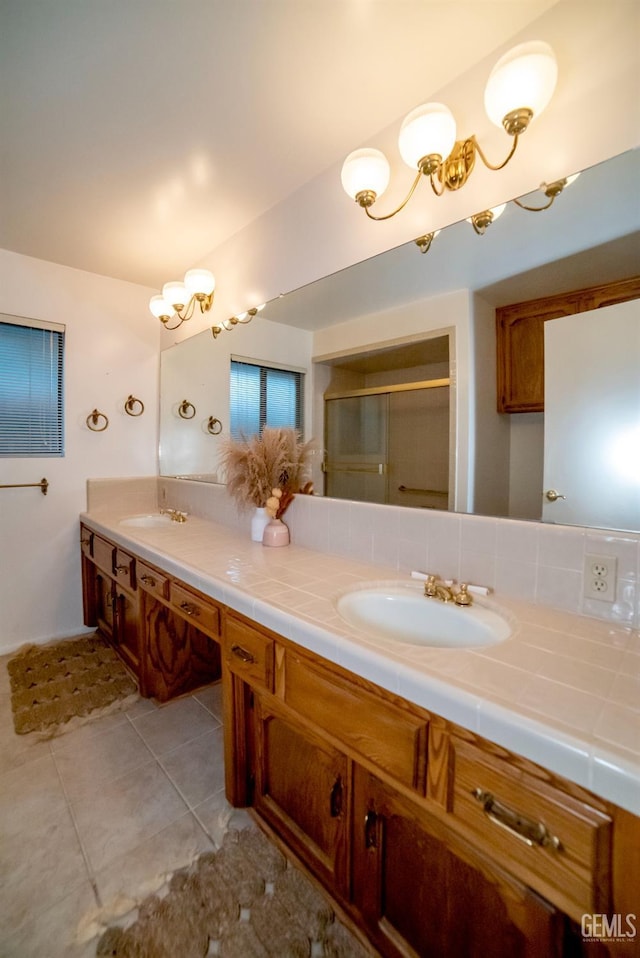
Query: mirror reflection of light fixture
{"points": [[481, 221], [550, 190], [240, 319], [179, 299], [424, 242], [518, 89]]}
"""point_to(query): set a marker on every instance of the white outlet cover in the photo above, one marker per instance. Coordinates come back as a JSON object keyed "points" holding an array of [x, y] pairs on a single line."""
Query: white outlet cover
{"points": [[600, 577]]}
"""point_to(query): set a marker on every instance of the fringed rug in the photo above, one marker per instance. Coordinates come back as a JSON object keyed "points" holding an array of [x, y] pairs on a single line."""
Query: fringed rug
{"points": [[53, 684], [243, 901]]}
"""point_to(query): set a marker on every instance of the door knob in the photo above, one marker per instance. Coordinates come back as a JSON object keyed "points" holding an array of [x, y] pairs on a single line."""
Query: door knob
{"points": [[552, 495]]}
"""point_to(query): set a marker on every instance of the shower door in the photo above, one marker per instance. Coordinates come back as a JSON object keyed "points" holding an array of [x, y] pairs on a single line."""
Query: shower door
{"points": [[389, 447], [356, 429]]}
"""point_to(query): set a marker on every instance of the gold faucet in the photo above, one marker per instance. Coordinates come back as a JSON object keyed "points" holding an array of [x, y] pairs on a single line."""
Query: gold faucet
{"points": [[174, 514], [438, 590]]}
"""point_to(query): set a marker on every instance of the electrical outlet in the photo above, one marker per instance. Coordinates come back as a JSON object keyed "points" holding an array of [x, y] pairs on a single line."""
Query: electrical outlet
{"points": [[600, 573]]}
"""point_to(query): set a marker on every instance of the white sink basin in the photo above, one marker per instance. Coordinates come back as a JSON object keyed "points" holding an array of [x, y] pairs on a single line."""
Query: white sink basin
{"points": [[147, 522], [402, 614]]}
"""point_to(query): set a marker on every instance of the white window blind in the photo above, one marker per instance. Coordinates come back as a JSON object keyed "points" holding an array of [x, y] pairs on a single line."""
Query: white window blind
{"points": [[31, 388], [264, 396]]}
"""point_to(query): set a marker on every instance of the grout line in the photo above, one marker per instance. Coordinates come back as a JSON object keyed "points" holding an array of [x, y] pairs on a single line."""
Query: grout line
{"points": [[85, 856]]}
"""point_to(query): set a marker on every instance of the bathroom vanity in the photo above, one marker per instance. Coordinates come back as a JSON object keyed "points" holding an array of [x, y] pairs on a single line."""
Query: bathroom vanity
{"points": [[433, 839]]}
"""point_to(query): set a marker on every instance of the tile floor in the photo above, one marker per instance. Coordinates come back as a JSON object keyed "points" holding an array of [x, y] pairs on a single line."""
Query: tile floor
{"points": [[93, 820]]}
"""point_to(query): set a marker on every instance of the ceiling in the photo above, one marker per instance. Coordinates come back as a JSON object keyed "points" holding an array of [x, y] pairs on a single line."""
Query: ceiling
{"points": [[139, 135]]}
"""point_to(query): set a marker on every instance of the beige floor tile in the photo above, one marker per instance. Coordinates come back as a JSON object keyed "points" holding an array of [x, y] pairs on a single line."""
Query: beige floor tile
{"points": [[175, 724], [84, 733], [86, 763], [144, 869], [211, 698], [217, 816], [51, 932], [197, 768], [41, 864], [128, 810], [30, 794]]}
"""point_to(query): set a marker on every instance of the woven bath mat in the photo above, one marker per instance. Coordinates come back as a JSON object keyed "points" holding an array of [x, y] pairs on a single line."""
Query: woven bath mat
{"points": [[243, 901], [52, 684]]}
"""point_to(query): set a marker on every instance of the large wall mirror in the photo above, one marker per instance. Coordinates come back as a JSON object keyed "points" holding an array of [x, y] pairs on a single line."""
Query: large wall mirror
{"points": [[409, 337]]}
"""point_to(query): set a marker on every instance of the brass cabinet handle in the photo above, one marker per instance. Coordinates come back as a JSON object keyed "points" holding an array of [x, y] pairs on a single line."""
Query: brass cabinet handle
{"points": [[189, 608], [183, 410], [122, 570], [214, 426], [148, 579], [525, 829], [242, 653], [335, 798], [370, 829]]}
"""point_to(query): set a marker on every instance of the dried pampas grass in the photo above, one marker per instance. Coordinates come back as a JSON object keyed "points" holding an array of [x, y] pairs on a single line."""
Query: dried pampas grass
{"points": [[254, 466]]}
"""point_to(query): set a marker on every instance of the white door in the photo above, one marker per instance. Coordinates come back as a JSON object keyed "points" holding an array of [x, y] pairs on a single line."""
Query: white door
{"points": [[592, 418]]}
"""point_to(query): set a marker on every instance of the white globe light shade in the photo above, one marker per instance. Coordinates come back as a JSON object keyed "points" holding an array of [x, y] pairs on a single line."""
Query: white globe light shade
{"points": [[525, 77], [160, 307], [199, 281], [175, 293], [429, 129], [498, 211], [365, 170]]}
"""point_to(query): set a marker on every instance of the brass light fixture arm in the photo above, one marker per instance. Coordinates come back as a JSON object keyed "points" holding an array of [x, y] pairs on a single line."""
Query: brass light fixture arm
{"points": [[368, 201], [490, 166]]}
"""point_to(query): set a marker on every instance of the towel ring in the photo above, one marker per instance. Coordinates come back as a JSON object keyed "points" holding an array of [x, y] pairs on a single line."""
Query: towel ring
{"points": [[214, 426], [92, 421], [183, 410], [131, 403]]}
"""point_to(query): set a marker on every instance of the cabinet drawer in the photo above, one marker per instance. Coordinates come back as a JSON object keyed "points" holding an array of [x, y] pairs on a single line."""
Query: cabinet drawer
{"points": [[249, 653], [152, 581], [394, 739], [103, 553], [205, 615], [560, 846], [86, 541], [125, 569]]}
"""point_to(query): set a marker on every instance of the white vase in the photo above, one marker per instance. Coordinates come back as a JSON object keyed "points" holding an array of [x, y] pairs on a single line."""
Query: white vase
{"points": [[259, 521]]}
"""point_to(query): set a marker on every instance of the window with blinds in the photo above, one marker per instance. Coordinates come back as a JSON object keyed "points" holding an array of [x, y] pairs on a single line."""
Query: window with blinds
{"points": [[264, 396], [31, 388]]}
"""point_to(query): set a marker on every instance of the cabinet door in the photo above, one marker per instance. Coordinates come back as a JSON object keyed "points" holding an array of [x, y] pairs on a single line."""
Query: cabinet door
{"points": [[177, 657], [420, 895], [127, 627], [105, 604], [301, 789]]}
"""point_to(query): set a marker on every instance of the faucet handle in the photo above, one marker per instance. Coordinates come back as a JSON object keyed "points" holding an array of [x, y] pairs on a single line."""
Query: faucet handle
{"points": [[462, 597], [430, 588]]}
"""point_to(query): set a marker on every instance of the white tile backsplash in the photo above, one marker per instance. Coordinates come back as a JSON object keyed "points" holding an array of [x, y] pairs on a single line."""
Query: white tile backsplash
{"points": [[521, 560]]}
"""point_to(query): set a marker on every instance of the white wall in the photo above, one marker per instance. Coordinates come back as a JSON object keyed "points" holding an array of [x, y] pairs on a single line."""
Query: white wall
{"points": [[111, 351], [594, 115]]}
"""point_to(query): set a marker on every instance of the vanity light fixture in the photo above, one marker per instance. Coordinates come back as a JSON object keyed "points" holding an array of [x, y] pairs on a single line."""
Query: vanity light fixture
{"points": [[519, 88], [424, 242], [241, 318], [480, 221], [551, 191], [179, 299]]}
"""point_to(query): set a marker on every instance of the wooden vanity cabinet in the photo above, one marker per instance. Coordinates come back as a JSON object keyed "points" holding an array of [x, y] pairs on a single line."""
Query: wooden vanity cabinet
{"points": [[165, 632], [422, 892], [520, 339], [377, 797], [110, 597], [181, 632]]}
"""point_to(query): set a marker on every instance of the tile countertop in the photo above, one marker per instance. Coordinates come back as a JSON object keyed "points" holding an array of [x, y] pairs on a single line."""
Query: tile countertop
{"points": [[563, 690]]}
